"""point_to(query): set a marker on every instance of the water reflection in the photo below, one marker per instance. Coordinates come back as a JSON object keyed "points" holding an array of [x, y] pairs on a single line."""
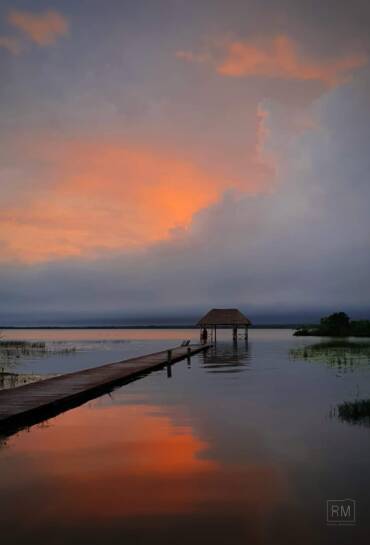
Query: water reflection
{"points": [[341, 354], [112, 464], [344, 356], [227, 357], [205, 457]]}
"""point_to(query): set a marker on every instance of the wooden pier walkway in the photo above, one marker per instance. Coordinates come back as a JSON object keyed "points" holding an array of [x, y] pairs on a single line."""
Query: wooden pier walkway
{"points": [[32, 403]]}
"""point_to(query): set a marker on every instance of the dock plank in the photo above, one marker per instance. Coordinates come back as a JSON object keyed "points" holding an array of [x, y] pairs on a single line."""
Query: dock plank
{"points": [[39, 400]]}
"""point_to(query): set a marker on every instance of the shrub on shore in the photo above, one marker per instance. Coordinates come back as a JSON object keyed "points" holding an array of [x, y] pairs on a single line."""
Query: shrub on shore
{"points": [[336, 325]]}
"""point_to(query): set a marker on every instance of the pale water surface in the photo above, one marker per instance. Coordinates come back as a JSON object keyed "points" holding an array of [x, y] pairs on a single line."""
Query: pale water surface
{"points": [[243, 446]]}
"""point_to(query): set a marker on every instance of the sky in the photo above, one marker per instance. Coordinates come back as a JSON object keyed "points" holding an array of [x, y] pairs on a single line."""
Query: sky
{"points": [[162, 157]]}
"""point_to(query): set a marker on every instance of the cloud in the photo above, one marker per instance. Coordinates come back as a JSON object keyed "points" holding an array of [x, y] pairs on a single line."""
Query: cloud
{"points": [[42, 28], [12, 44], [305, 245], [106, 196], [279, 57]]}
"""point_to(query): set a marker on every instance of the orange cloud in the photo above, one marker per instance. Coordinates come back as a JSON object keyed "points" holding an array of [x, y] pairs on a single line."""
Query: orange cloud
{"points": [[11, 44], [280, 58], [107, 196], [42, 28]]}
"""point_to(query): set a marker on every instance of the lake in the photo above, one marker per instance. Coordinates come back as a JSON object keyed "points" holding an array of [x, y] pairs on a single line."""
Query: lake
{"points": [[244, 445]]}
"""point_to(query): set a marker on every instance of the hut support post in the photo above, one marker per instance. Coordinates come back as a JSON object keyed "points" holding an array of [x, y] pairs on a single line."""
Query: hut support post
{"points": [[230, 318]]}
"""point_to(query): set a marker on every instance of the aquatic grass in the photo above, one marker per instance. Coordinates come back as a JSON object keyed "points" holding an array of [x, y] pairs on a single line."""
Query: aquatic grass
{"points": [[22, 345], [340, 354], [355, 412], [11, 351]]}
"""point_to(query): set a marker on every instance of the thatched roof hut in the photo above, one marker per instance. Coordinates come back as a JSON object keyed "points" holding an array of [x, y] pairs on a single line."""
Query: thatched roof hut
{"points": [[225, 318]]}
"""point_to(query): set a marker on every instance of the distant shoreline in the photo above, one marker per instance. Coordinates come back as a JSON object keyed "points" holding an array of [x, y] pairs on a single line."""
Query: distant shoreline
{"points": [[262, 326]]}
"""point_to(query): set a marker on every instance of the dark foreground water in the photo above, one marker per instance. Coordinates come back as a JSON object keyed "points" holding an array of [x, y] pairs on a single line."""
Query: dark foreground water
{"points": [[243, 446]]}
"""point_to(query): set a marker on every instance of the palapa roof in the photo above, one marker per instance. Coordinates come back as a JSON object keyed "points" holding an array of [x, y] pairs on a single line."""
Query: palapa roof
{"points": [[224, 317]]}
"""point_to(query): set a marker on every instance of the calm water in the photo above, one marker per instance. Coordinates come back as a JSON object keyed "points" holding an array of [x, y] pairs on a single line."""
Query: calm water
{"points": [[242, 446]]}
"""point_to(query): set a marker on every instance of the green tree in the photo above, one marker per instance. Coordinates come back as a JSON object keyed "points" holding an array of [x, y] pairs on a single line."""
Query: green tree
{"points": [[337, 324], [360, 328]]}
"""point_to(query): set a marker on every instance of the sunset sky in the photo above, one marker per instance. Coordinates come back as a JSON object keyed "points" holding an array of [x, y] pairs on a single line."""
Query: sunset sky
{"points": [[160, 157]]}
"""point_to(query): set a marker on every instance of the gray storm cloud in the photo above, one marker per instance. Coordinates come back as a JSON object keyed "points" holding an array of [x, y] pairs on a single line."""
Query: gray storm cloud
{"points": [[303, 246]]}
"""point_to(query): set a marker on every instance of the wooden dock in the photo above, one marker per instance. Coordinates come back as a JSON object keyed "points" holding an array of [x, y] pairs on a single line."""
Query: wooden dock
{"points": [[33, 403]]}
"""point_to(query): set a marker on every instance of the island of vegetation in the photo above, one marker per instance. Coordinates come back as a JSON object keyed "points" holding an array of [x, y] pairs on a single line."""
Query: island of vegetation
{"points": [[338, 324]]}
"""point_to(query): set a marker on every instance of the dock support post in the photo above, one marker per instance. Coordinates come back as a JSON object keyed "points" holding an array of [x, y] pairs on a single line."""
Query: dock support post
{"points": [[246, 333], [169, 360], [235, 333], [188, 356]]}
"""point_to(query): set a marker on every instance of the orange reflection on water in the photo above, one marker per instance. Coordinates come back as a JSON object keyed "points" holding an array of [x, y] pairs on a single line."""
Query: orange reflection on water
{"points": [[124, 461], [117, 460], [99, 334]]}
